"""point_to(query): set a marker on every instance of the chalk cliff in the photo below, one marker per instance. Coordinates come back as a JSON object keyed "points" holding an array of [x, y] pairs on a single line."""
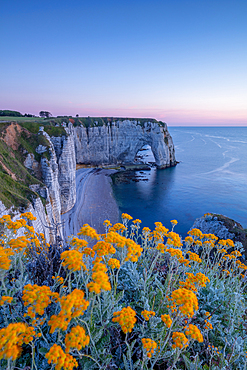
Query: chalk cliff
{"points": [[119, 142], [54, 158]]}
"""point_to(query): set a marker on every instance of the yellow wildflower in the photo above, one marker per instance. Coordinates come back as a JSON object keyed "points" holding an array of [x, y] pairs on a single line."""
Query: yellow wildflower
{"points": [[179, 340], [133, 250], [5, 299], [149, 345], [77, 338], [147, 314], [87, 230], [72, 260], [194, 333], [118, 227], [125, 216], [38, 297], [167, 320], [11, 339], [161, 247], [100, 279], [114, 263], [126, 319], [57, 356], [186, 300], [194, 257], [137, 221], [73, 305], [103, 248]]}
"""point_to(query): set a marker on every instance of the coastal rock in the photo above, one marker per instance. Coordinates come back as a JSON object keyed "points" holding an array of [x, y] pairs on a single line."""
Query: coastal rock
{"points": [[66, 159], [223, 227], [119, 143]]}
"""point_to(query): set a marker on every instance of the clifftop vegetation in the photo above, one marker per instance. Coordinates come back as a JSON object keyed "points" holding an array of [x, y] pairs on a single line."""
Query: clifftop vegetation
{"points": [[130, 298]]}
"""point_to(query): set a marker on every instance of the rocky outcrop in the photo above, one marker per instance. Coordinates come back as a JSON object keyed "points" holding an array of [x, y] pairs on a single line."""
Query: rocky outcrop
{"points": [[223, 227], [119, 142]]}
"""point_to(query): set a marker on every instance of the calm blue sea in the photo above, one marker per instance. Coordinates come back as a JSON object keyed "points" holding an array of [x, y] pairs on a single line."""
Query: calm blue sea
{"points": [[211, 177]]}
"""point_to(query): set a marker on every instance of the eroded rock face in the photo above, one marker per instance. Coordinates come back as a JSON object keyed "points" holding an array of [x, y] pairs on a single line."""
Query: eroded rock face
{"points": [[65, 152], [119, 143]]}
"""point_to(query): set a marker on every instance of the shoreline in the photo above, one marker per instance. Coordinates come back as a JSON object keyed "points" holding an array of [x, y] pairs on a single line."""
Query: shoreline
{"points": [[95, 202]]}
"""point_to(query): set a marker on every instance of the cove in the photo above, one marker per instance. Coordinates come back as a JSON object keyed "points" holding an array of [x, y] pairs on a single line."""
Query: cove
{"points": [[211, 177]]}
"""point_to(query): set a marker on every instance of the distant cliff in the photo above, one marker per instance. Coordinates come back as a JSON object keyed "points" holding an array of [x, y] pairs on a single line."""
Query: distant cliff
{"points": [[51, 154], [118, 143]]}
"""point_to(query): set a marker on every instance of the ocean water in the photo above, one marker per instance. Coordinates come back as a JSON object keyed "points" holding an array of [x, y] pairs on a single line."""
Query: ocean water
{"points": [[211, 177]]}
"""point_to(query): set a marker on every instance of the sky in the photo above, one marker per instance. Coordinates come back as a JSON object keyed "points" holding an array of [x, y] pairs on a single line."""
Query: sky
{"points": [[180, 61]]}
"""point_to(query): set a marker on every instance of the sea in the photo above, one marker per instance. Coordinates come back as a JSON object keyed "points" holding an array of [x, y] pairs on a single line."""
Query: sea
{"points": [[211, 176]]}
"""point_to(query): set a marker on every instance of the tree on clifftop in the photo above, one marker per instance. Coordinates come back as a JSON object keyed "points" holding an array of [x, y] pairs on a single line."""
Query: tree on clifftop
{"points": [[45, 114]]}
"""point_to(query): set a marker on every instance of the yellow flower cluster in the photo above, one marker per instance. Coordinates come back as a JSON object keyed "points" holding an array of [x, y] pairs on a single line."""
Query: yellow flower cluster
{"points": [[5, 299], [73, 305], [57, 356], [175, 252], [77, 338], [174, 239], [196, 233], [125, 216], [194, 333], [114, 263], [118, 227], [78, 243], [146, 231], [28, 216], [103, 248], [189, 240], [133, 250], [100, 279], [115, 238], [147, 314], [174, 222], [39, 297], [137, 221], [126, 319], [89, 231], [226, 243], [149, 345], [5, 261], [161, 247], [12, 225], [72, 260], [160, 228], [208, 325], [208, 244], [167, 320], [194, 257], [18, 244], [11, 339], [186, 300], [199, 279], [107, 223], [179, 340]]}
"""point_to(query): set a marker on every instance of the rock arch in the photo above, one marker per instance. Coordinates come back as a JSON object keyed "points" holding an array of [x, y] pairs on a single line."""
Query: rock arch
{"points": [[119, 143]]}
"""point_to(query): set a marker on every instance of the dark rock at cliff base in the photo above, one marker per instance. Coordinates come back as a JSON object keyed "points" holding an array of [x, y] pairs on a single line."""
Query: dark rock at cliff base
{"points": [[223, 227]]}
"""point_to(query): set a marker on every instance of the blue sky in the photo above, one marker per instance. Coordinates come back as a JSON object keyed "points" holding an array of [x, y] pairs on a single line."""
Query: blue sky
{"points": [[180, 61]]}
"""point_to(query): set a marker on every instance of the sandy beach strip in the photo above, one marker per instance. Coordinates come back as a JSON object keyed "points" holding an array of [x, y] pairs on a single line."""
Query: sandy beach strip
{"points": [[95, 202]]}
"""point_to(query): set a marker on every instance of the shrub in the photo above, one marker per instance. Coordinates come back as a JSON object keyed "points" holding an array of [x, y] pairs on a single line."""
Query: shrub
{"points": [[131, 298]]}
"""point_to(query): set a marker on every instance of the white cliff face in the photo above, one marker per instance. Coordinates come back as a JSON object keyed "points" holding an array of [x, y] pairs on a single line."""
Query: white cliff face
{"points": [[65, 151], [120, 142], [116, 143], [50, 179]]}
